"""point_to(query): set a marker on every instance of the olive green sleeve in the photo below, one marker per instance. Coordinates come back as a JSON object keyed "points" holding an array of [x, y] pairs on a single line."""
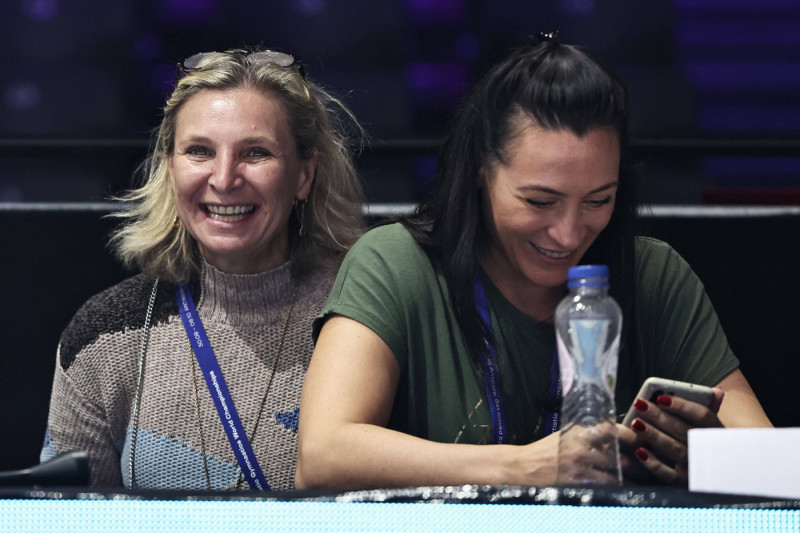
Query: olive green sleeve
{"points": [[381, 284], [682, 337]]}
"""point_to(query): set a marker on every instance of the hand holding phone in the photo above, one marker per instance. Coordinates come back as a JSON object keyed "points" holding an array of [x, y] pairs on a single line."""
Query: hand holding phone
{"points": [[659, 444], [654, 387]]}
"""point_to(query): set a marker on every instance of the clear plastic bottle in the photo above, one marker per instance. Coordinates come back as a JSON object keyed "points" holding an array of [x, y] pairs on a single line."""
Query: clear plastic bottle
{"points": [[588, 324]]}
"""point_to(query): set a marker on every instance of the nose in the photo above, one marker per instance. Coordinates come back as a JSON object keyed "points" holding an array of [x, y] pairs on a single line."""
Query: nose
{"points": [[567, 229], [225, 176]]}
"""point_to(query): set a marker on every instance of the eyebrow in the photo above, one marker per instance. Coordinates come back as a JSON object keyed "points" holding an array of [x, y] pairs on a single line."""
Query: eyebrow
{"points": [[247, 141], [194, 139], [548, 190], [257, 140]]}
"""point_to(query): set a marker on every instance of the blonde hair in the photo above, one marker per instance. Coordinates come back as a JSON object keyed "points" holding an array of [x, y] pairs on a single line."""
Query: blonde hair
{"points": [[332, 220]]}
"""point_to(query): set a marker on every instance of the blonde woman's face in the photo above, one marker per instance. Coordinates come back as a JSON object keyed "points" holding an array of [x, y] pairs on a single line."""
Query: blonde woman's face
{"points": [[236, 175]]}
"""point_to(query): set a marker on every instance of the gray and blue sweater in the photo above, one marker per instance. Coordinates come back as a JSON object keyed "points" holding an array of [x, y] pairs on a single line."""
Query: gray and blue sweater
{"points": [[97, 366]]}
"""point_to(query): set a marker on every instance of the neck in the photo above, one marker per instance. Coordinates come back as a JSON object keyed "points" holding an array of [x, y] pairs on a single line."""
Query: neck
{"points": [[536, 301], [245, 299], [247, 263]]}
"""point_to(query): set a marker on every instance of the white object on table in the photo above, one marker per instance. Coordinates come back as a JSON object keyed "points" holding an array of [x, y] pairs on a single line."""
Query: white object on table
{"points": [[747, 461]]}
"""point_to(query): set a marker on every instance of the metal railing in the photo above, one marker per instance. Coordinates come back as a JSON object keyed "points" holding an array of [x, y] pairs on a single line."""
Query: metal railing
{"points": [[642, 147], [388, 209]]}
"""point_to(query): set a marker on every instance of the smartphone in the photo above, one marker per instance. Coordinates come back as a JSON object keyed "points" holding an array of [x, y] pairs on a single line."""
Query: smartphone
{"points": [[652, 388]]}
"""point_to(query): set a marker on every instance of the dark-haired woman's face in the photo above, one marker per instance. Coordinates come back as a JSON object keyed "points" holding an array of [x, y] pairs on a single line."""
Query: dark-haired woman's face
{"points": [[547, 204]]}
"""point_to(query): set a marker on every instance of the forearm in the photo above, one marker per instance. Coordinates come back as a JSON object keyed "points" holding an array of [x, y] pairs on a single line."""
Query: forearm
{"points": [[374, 457], [363, 456], [344, 441]]}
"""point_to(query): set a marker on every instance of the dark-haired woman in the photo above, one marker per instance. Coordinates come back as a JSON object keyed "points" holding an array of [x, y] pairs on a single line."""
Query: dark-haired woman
{"points": [[532, 180]]}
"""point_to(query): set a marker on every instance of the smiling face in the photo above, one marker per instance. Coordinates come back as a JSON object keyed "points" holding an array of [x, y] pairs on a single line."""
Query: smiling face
{"points": [[235, 176], [545, 206]]}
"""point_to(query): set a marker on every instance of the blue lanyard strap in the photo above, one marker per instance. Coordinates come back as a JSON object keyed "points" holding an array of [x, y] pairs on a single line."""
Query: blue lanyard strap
{"points": [[218, 389], [552, 415], [491, 372]]}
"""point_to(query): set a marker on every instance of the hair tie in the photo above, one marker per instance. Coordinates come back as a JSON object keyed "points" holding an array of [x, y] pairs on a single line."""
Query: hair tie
{"points": [[551, 36]]}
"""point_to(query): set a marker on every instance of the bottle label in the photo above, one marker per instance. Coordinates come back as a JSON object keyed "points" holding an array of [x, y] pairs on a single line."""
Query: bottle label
{"points": [[585, 348], [566, 366]]}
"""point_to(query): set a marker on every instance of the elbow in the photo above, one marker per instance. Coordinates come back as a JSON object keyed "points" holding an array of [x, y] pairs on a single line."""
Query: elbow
{"points": [[311, 472], [302, 473]]}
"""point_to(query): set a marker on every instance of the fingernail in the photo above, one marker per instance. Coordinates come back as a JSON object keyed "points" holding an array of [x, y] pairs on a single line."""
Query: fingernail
{"points": [[638, 425], [642, 454], [640, 405], [664, 400]]}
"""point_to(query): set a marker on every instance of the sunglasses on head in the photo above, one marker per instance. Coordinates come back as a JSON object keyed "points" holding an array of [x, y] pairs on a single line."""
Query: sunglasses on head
{"points": [[281, 59]]}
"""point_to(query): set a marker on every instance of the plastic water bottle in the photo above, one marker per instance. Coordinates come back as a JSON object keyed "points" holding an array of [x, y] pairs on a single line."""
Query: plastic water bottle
{"points": [[588, 324]]}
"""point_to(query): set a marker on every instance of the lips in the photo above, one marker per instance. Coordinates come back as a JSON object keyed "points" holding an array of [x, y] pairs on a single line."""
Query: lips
{"points": [[229, 213], [553, 254]]}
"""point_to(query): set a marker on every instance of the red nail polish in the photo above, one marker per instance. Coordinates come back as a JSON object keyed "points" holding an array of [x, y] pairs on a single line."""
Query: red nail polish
{"points": [[664, 400], [640, 405], [638, 425], [642, 454]]}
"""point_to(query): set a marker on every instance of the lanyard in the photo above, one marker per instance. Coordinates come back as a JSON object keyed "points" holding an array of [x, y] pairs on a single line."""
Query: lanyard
{"points": [[219, 390], [490, 369], [552, 421]]}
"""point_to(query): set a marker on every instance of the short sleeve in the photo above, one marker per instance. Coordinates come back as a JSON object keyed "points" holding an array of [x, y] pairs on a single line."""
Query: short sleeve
{"points": [[382, 283], [682, 335]]}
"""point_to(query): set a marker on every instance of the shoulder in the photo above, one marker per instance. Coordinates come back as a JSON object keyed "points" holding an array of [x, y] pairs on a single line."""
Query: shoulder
{"points": [[392, 246], [649, 248], [387, 237], [665, 282], [656, 260], [314, 287], [118, 309], [385, 278], [387, 255]]}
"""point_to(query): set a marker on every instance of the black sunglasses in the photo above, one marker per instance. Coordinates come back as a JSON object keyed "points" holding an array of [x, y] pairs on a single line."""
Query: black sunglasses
{"points": [[281, 59]]}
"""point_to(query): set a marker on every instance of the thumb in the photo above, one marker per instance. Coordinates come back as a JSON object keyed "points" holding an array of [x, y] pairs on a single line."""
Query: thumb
{"points": [[719, 394]]}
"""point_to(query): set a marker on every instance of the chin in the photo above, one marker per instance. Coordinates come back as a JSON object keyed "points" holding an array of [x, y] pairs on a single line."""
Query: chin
{"points": [[548, 281]]}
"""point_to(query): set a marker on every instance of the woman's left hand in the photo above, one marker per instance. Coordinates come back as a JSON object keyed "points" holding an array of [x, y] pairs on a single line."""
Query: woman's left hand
{"points": [[655, 447]]}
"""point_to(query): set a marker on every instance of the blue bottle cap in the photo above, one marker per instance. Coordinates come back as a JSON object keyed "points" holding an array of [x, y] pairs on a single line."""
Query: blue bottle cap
{"points": [[592, 275]]}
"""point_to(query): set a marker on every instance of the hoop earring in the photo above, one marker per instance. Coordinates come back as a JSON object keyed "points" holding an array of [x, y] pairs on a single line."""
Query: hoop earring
{"points": [[300, 210]]}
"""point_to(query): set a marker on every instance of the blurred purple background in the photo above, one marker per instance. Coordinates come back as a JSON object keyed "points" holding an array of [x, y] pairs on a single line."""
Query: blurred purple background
{"points": [[100, 69]]}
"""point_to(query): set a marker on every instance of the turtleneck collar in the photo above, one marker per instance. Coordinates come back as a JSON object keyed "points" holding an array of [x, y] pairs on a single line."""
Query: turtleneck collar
{"points": [[245, 299]]}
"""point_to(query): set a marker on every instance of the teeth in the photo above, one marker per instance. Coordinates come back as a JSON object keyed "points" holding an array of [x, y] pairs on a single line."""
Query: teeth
{"points": [[229, 213], [554, 255], [229, 209]]}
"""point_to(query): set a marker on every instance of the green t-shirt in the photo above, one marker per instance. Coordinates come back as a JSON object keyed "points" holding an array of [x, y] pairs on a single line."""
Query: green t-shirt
{"points": [[388, 283]]}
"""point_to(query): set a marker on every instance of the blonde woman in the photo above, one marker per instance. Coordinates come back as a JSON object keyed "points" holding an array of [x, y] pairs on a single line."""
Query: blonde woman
{"points": [[188, 375]]}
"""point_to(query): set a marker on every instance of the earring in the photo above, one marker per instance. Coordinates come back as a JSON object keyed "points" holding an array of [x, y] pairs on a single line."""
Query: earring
{"points": [[300, 214], [177, 222]]}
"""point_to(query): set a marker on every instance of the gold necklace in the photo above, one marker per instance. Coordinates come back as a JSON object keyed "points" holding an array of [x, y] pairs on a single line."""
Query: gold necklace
{"points": [[261, 406]]}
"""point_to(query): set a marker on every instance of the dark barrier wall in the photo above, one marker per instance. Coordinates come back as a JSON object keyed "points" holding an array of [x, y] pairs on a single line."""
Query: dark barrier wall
{"points": [[53, 260], [748, 264]]}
